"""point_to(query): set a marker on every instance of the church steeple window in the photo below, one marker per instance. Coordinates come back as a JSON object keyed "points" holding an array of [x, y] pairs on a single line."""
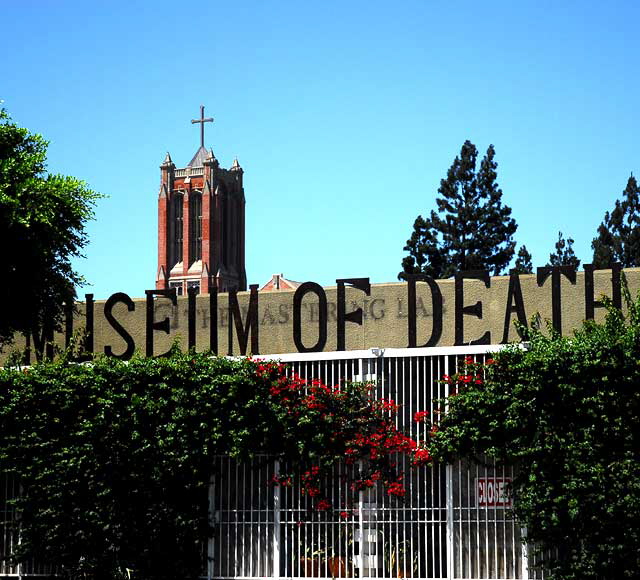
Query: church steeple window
{"points": [[195, 226], [176, 228]]}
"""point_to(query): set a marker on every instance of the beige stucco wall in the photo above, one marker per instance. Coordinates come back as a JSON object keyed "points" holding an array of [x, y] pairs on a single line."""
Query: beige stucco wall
{"points": [[384, 315]]}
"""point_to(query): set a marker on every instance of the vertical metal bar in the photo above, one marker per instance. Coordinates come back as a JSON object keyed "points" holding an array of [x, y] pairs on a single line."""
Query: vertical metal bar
{"points": [[224, 513], [496, 523], [449, 499], [525, 554], [15, 493], [254, 525], [407, 511], [503, 521], [460, 517], [361, 554], [514, 539], [5, 507], [211, 538], [486, 519], [276, 523], [449, 502], [236, 521], [255, 498], [430, 506], [301, 531], [395, 530]]}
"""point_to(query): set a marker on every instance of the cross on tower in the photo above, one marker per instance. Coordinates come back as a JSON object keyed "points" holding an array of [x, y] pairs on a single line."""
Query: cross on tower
{"points": [[202, 121]]}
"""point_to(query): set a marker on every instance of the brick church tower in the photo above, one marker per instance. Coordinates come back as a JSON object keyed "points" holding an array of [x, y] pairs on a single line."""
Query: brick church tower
{"points": [[201, 223]]}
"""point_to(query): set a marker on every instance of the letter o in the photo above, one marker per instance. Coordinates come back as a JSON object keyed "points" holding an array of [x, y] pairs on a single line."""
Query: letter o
{"points": [[301, 292]]}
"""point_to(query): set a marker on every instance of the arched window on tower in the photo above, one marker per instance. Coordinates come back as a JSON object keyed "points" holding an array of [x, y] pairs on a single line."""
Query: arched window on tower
{"points": [[224, 226], [175, 239], [195, 226], [236, 234]]}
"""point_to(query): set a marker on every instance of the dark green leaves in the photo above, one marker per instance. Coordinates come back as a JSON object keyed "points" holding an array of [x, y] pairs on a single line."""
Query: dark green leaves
{"points": [[471, 230], [564, 254], [42, 220], [619, 233], [524, 261], [114, 458]]}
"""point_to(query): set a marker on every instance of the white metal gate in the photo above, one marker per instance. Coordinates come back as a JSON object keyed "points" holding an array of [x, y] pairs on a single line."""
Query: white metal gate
{"points": [[454, 522]]}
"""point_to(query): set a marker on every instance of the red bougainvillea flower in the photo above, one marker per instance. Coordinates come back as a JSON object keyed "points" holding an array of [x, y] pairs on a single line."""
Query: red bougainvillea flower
{"points": [[396, 489], [323, 505], [420, 457], [283, 480], [345, 515], [420, 416], [310, 491]]}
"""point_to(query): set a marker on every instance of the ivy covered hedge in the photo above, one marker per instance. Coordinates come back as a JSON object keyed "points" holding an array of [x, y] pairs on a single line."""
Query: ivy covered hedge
{"points": [[566, 412], [114, 458]]}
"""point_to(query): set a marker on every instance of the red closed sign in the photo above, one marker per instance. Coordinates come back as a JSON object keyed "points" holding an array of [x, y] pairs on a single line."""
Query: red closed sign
{"points": [[493, 491]]}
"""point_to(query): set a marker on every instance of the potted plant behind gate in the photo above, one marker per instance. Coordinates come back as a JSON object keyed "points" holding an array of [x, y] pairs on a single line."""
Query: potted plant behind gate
{"points": [[311, 562], [399, 560], [339, 564], [332, 559]]}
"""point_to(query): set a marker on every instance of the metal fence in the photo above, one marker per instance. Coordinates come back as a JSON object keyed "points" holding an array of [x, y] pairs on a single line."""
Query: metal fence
{"points": [[9, 536], [454, 522]]}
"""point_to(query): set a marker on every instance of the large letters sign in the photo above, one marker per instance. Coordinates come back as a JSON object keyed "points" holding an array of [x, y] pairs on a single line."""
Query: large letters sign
{"points": [[470, 308]]}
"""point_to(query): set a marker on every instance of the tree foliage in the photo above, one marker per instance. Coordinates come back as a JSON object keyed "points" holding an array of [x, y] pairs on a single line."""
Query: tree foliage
{"points": [[619, 233], [524, 261], [471, 230], [42, 218], [114, 459], [566, 412], [564, 254]]}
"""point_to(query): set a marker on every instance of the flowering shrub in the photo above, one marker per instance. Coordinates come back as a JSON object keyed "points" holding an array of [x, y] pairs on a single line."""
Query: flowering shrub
{"points": [[341, 423]]}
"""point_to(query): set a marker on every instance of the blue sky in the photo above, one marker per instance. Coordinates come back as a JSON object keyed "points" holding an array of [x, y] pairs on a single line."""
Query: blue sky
{"points": [[344, 116]]}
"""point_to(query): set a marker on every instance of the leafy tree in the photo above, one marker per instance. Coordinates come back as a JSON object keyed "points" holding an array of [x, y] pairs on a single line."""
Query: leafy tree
{"points": [[524, 261], [619, 233], [564, 254], [565, 412], [42, 220], [472, 228]]}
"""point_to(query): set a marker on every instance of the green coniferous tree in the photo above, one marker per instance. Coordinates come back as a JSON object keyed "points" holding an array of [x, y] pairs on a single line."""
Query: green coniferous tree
{"points": [[619, 234], [564, 254], [471, 230], [524, 261]]}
